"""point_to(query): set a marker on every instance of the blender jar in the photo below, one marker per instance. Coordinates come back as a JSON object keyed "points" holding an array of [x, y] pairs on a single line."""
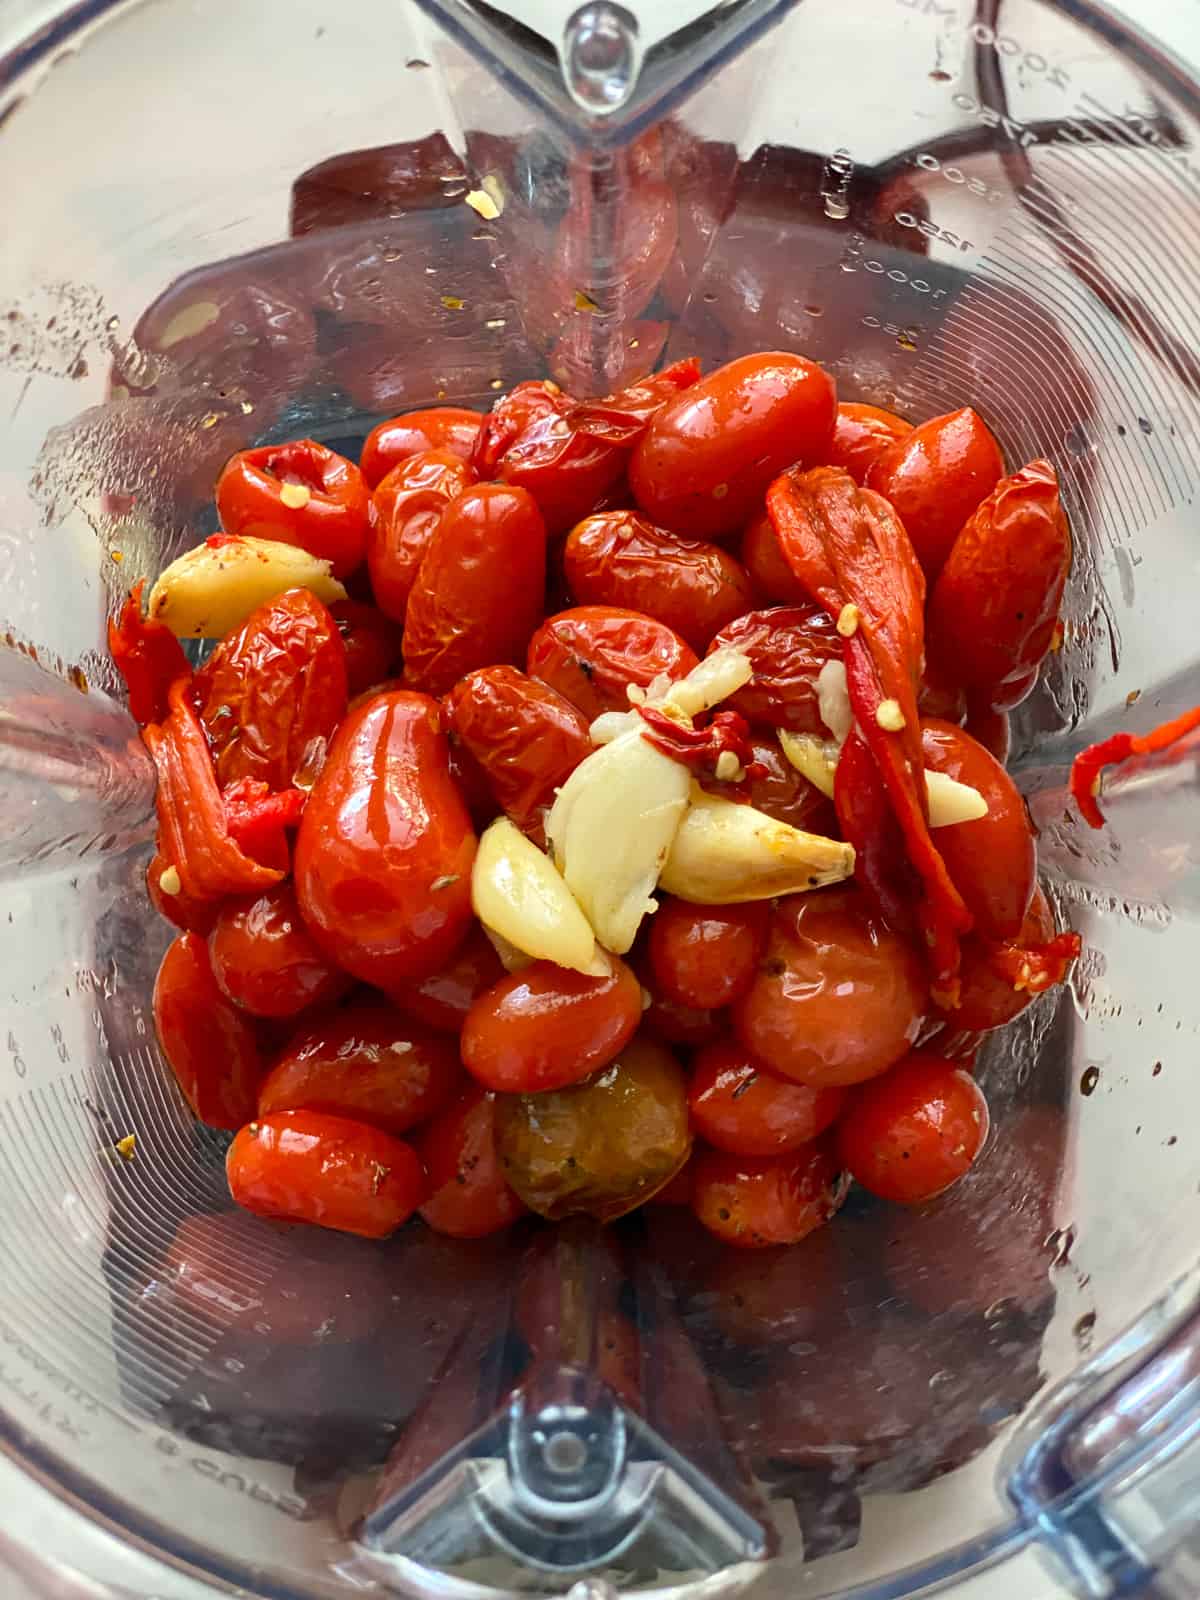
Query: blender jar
{"points": [[230, 224]]}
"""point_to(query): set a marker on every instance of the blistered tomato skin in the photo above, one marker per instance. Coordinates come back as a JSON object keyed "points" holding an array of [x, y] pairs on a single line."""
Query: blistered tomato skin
{"points": [[265, 959], [371, 642], [300, 493], [787, 647], [705, 461], [736, 1105], [909, 1135], [705, 956], [590, 653], [763, 558], [448, 428], [469, 1196], [755, 1201], [405, 511], [304, 1166], [383, 856], [861, 435], [546, 1027], [210, 1046]]}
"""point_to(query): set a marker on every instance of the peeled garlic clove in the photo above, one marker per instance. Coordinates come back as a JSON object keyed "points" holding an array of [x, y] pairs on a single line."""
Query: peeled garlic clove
{"points": [[520, 897], [815, 758], [716, 677], [511, 959], [951, 801], [609, 725], [611, 828], [724, 854], [212, 589], [833, 700]]}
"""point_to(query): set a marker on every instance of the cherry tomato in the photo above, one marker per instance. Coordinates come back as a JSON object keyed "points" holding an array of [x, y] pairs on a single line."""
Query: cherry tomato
{"points": [[511, 416], [471, 781], [705, 956], [754, 1201], [546, 1027], [265, 960], [787, 647], [992, 729], [861, 435], [383, 856], [590, 654], [210, 1046], [935, 477], [367, 1062], [941, 697], [371, 642], [912, 1133], [526, 737], [478, 594], [807, 1292], [994, 609], [782, 792], [621, 559], [309, 1167], [271, 687], [993, 860], [300, 493], [359, 186], [445, 429], [442, 1001], [678, 1192], [986, 999], [676, 1024], [736, 1105], [704, 463], [406, 509], [468, 1194], [181, 908], [838, 997], [764, 560]]}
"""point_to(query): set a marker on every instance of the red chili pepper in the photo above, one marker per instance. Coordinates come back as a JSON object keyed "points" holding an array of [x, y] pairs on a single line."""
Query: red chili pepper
{"points": [[148, 656], [1088, 766], [699, 749], [258, 818], [868, 823], [1035, 968], [193, 830]]}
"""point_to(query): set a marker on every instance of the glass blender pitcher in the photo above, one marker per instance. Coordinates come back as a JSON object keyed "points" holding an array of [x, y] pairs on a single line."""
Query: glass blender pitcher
{"points": [[233, 224]]}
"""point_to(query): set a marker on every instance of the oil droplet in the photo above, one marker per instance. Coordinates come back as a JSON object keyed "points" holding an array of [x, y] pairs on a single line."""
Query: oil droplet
{"points": [[415, 64], [836, 208], [813, 311], [210, 421], [497, 383], [1156, 1069], [1145, 425], [1121, 430], [78, 677], [1089, 1080], [939, 76], [1083, 1330]]}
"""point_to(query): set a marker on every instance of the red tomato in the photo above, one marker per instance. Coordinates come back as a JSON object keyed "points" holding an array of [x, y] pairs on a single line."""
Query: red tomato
{"points": [[370, 640], [468, 1196], [621, 559], [935, 477], [442, 1001], [992, 729], [444, 429], [366, 1062], [787, 647], [992, 861], [210, 1045], [838, 997], [704, 463], [861, 435], [406, 509], [782, 792], [546, 1027], [993, 611], [526, 737], [986, 999], [181, 908], [912, 1133], [590, 654], [705, 956], [364, 186], [299, 493], [478, 594], [677, 1024], [308, 1167], [271, 687], [737, 1106], [678, 1191], [264, 958], [754, 1201], [764, 560], [383, 856], [512, 415]]}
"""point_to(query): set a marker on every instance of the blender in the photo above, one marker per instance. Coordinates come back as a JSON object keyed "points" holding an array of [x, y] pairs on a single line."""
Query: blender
{"points": [[234, 224]]}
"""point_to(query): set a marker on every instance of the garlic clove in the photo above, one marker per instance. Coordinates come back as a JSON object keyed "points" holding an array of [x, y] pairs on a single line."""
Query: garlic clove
{"points": [[212, 589], [520, 897], [725, 854]]}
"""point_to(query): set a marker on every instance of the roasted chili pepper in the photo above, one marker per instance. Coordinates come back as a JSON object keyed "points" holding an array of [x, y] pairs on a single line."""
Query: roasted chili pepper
{"points": [[1088, 767], [701, 749], [259, 817], [1035, 968], [148, 656], [868, 822]]}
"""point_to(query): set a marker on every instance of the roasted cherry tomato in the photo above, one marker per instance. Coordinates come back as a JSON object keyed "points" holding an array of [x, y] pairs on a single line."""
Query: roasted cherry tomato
{"points": [[987, 997], [444, 429], [781, 792], [300, 493], [184, 910], [703, 465], [861, 435], [995, 606], [992, 860], [736, 1105], [367, 1062], [590, 654], [478, 594], [676, 1024], [764, 560], [308, 1167], [754, 1201], [546, 1027], [364, 186], [265, 960], [210, 1046], [371, 642], [526, 737], [838, 997], [469, 1195], [705, 956], [383, 857], [912, 1133], [442, 1001], [787, 647], [471, 781], [992, 729], [621, 559], [272, 687], [512, 415], [935, 476], [405, 511]]}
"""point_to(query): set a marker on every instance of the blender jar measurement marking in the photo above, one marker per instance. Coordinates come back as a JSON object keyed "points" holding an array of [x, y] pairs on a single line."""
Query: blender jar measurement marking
{"points": [[952, 174], [1032, 60], [931, 231], [1016, 131], [19, 1064]]}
